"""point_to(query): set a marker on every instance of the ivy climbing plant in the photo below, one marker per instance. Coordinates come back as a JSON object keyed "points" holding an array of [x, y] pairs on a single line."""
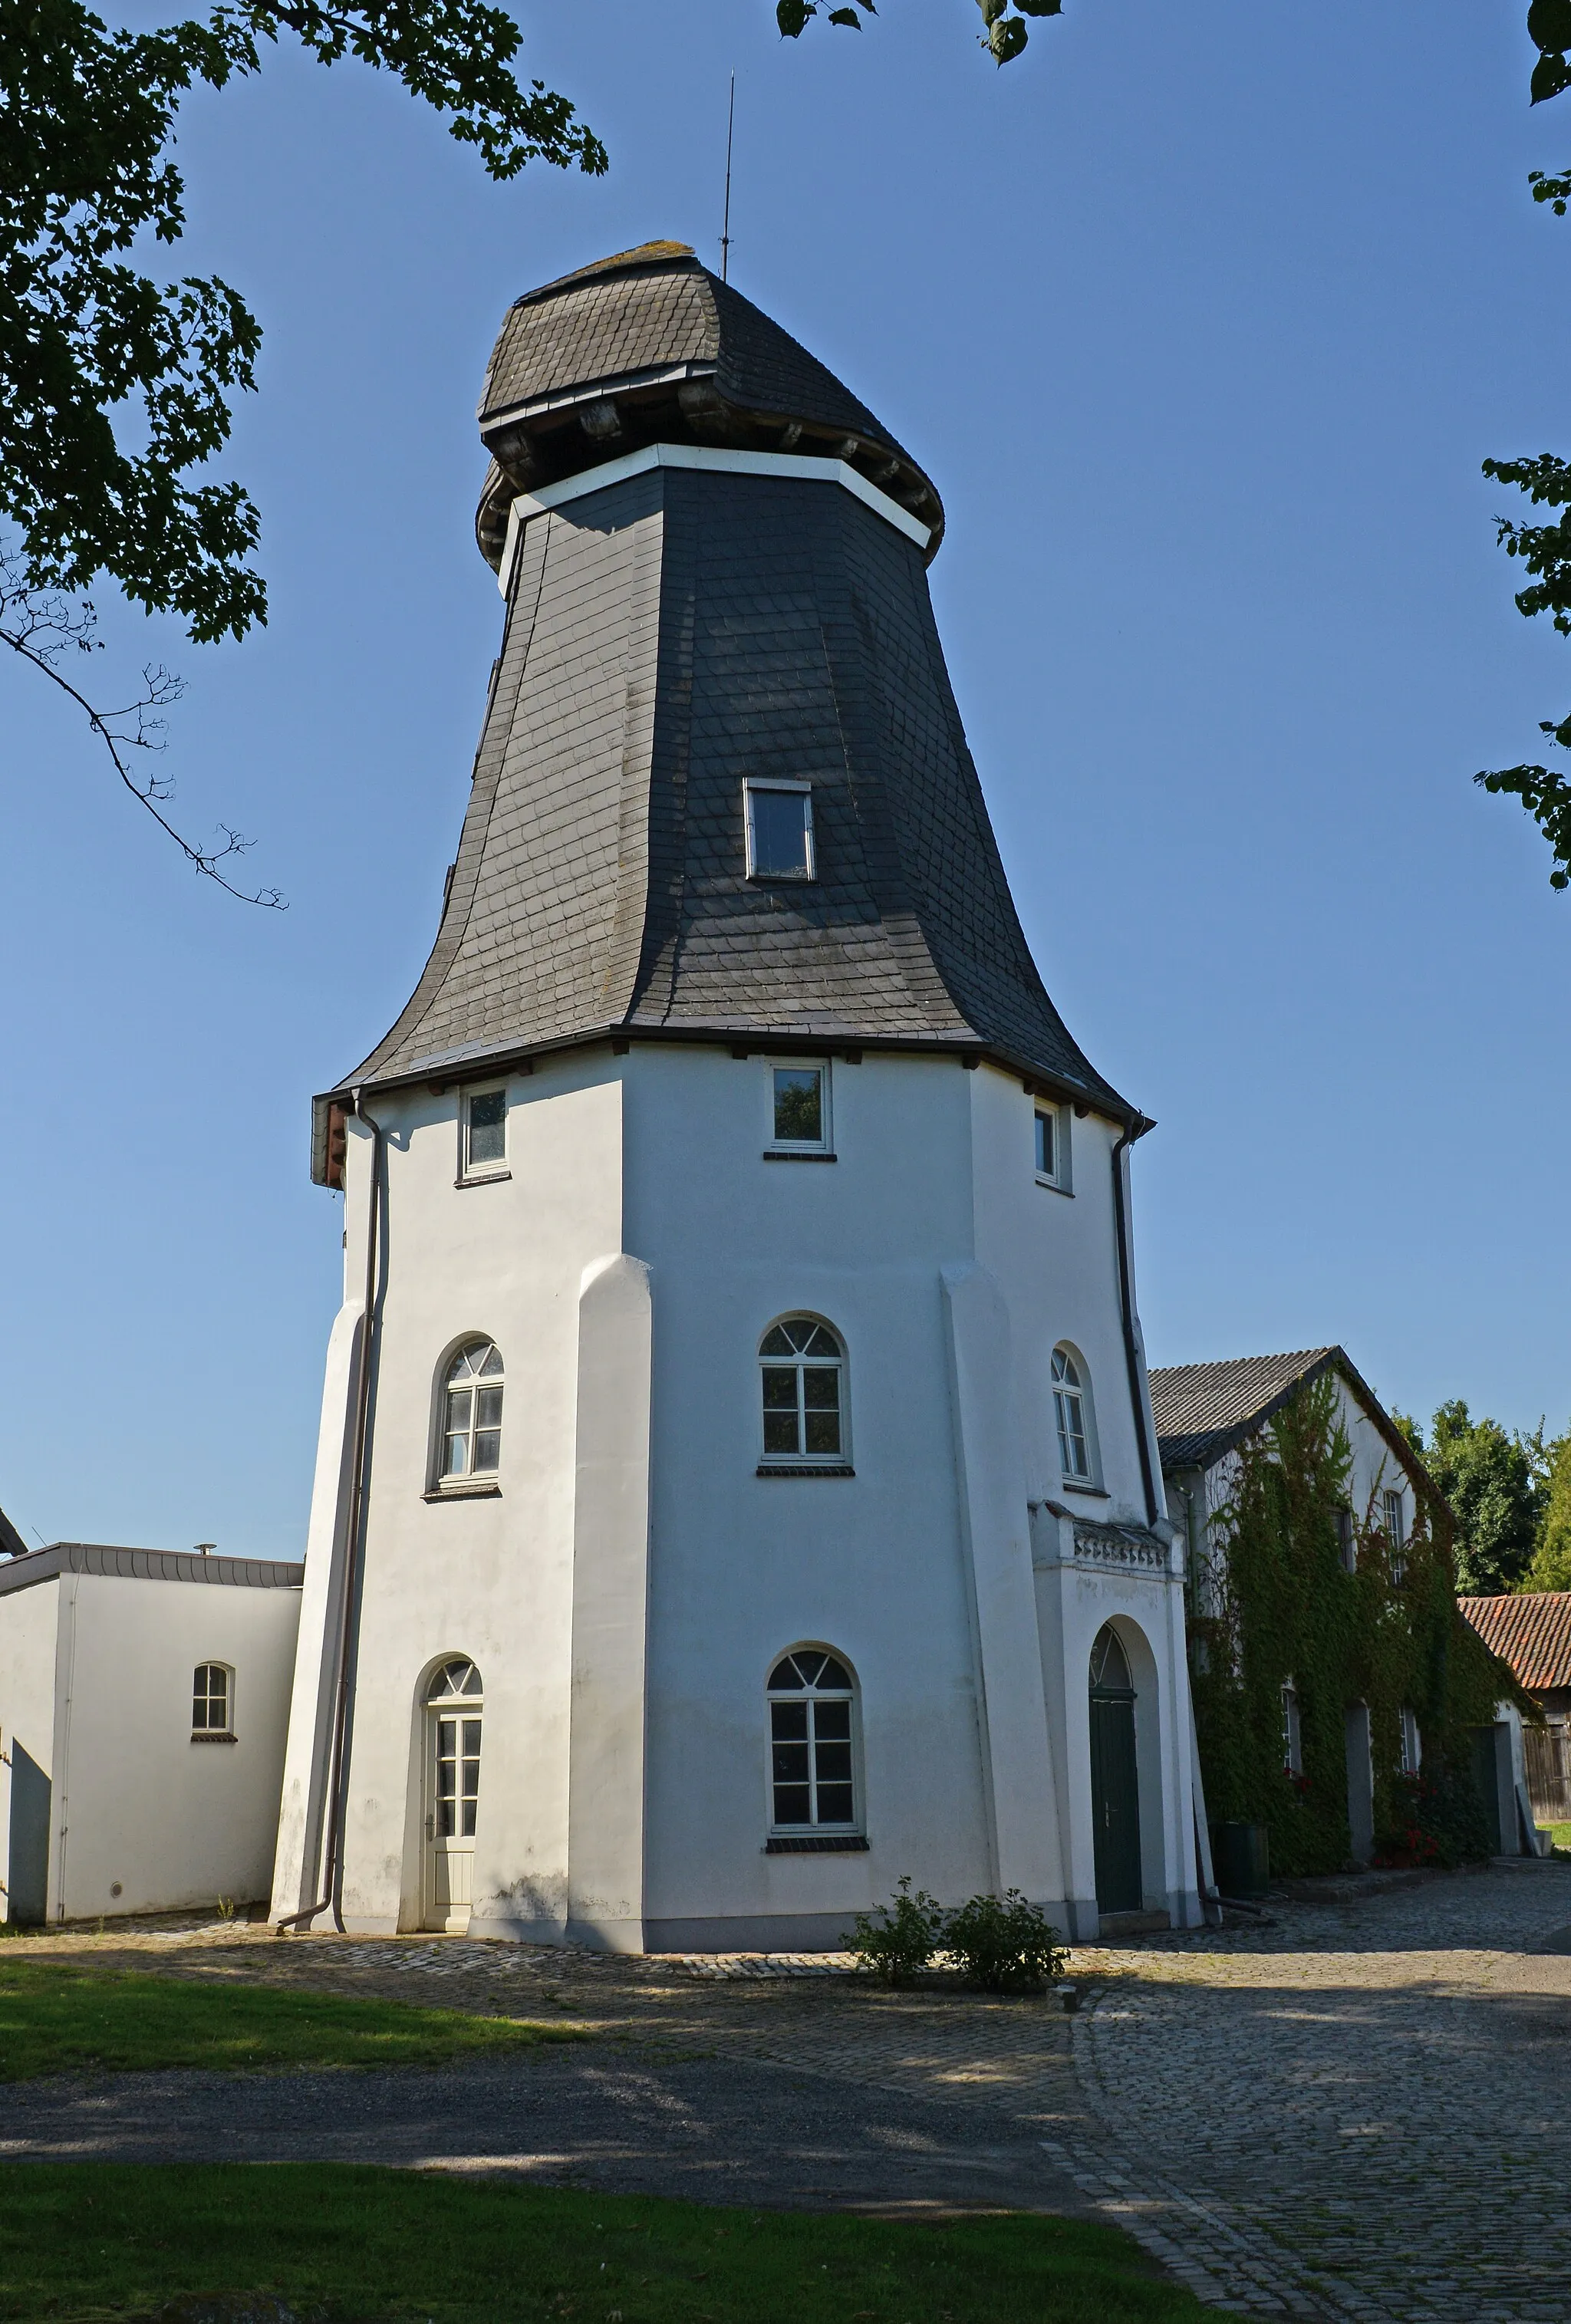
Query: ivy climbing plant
{"points": [[1276, 1603]]}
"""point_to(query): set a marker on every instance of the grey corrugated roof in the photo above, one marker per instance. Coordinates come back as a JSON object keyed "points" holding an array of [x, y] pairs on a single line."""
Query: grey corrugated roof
{"points": [[666, 637], [1203, 1410], [146, 1565]]}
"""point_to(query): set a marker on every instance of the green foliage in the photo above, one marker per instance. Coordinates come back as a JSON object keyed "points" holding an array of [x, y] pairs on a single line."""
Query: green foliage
{"points": [[57, 2019], [1551, 1565], [1487, 1475], [1277, 1604], [1003, 1944], [115, 389], [895, 1943], [102, 2239], [1005, 37]]}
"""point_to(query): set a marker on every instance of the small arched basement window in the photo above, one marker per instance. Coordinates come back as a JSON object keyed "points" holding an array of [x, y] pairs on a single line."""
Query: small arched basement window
{"points": [[812, 1699], [471, 1444], [802, 1364], [1072, 1412]]}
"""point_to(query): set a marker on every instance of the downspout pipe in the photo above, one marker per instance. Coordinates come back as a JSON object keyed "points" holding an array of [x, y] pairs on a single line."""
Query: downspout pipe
{"points": [[344, 1683], [1137, 1128]]}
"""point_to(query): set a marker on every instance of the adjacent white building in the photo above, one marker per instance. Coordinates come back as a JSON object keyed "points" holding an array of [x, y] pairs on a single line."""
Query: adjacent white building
{"points": [[737, 1486], [143, 1705]]}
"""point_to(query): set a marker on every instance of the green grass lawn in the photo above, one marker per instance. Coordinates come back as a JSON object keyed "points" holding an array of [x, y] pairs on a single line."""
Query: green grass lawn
{"points": [[58, 2019], [1561, 1838], [87, 2242]]}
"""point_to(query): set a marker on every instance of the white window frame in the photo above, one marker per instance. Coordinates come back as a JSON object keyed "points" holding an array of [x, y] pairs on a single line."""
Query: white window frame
{"points": [[475, 1174], [1073, 1480], [469, 1480], [1293, 1730], [1409, 1742], [819, 1065], [751, 785], [224, 1734], [1394, 1504], [856, 1828], [803, 1459], [1057, 1116]]}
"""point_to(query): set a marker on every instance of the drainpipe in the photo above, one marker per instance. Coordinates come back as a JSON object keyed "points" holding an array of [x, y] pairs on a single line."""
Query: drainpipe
{"points": [[344, 1685], [1137, 1128]]}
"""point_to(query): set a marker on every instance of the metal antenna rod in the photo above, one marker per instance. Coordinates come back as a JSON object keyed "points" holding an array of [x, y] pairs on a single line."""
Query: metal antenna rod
{"points": [[726, 228]]}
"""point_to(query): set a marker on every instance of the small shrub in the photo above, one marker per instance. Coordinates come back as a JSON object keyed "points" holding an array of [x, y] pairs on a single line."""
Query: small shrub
{"points": [[1003, 1944], [896, 1942]]}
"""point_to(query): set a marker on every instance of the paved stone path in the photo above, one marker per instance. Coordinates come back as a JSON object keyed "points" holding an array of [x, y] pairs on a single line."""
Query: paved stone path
{"points": [[1351, 2111]]}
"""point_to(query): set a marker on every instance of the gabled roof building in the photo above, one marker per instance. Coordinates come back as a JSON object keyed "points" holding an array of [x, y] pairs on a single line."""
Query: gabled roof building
{"points": [[737, 1421]]}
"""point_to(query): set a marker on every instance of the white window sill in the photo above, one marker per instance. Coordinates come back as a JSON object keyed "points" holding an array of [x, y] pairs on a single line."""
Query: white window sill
{"points": [[798, 1154], [1053, 1186], [1087, 1492], [484, 1178], [470, 1490]]}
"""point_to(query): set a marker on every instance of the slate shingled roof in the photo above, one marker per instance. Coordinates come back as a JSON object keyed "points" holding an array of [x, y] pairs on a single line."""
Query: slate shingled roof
{"points": [[667, 636], [667, 352], [1531, 1633]]}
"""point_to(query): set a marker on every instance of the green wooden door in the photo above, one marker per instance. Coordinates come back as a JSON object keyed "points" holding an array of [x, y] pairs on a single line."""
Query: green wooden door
{"points": [[1115, 1779]]}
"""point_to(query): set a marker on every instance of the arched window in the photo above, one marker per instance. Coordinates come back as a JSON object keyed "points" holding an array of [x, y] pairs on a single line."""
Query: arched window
{"points": [[212, 1702], [1110, 1664], [811, 1744], [472, 1413], [1072, 1411], [803, 1367]]}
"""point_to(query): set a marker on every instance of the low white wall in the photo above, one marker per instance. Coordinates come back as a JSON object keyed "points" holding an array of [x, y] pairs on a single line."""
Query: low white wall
{"points": [[28, 1623], [137, 1802]]}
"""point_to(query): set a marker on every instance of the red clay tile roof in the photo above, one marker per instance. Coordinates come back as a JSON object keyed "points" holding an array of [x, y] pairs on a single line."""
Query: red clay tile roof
{"points": [[1532, 1632]]}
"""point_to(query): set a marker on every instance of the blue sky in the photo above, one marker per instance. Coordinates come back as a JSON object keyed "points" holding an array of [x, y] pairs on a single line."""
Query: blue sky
{"points": [[1202, 320]]}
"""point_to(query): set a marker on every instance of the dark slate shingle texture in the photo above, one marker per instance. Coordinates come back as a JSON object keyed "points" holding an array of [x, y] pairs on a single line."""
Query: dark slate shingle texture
{"points": [[666, 637]]}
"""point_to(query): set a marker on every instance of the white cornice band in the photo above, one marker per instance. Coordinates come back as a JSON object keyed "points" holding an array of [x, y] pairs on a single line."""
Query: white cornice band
{"points": [[795, 464]]}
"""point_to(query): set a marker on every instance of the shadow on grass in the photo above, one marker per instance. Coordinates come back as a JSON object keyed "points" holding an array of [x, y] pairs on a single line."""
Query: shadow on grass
{"points": [[57, 2019], [84, 2243]]}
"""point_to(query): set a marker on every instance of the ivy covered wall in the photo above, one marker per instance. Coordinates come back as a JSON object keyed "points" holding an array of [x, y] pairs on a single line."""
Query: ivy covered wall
{"points": [[1274, 1601]]}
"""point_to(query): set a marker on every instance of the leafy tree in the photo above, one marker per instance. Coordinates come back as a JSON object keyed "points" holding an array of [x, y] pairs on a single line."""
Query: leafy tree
{"points": [[1544, 550], [1490, 1478], [1551, 1565], [115, 390]]}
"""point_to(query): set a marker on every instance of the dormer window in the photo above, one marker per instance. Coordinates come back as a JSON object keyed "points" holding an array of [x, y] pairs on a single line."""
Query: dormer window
{"points": [[780, 830]]}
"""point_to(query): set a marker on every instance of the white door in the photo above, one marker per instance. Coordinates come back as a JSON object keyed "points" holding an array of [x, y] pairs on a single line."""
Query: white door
{"points": [[453, 1723]]}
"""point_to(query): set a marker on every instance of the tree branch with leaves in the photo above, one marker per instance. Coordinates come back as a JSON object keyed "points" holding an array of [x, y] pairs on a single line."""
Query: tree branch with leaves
{"points": [[117, 390]]}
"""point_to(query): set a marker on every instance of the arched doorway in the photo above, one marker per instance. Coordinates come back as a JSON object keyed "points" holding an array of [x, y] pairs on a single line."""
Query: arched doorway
{"points": [[1114, 1777], [453, 1709]]}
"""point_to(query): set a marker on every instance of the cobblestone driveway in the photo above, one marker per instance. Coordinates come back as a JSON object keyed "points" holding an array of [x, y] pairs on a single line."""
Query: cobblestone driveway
{"points": [[1353, 2112]]}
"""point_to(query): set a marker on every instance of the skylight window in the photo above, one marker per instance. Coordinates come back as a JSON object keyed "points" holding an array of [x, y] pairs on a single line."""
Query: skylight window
{"points": [[780, 831]]}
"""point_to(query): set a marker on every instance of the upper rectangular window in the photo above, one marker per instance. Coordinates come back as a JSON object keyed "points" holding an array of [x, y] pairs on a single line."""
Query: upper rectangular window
{"points": [[780, 831], [485, 1130], [800, 1106], [1051, 1131], [1396, 1531]]}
